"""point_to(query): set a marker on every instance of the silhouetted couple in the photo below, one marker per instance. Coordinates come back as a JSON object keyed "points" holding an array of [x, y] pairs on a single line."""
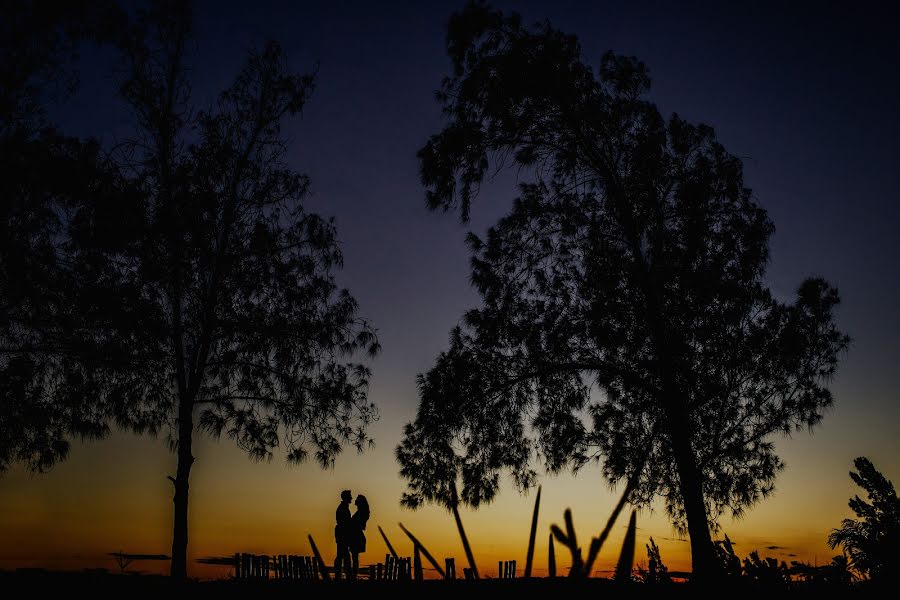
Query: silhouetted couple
{"points": [[348, 533]]}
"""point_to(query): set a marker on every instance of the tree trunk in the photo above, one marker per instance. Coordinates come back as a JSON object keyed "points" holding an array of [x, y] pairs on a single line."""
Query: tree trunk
{"points": [[703, 561], [185, 461]]}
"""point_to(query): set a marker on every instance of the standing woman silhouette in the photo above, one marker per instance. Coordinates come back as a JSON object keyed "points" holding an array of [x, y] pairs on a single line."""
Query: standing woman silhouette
{"points": [[357, 527]]}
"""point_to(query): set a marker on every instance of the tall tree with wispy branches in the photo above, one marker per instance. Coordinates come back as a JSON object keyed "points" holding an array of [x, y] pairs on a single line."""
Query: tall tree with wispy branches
{"points": [[632, 264], [201, 292]]}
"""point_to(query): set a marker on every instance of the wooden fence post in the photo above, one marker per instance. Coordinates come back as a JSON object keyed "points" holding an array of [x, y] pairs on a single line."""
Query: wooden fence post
{"points": [[450, 568], [424, 550], [321, 563]]}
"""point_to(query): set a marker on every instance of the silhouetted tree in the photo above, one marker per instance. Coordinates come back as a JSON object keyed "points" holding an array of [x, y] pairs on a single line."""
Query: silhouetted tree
{"points": [[837, 573], [43, 175], [632, 262], [872, 540], [202, 292], [767, 572], [728, 561], [656, 572]]}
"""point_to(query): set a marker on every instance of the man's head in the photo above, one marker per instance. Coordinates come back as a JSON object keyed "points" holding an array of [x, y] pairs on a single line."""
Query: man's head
{"points": [[346, 496]]}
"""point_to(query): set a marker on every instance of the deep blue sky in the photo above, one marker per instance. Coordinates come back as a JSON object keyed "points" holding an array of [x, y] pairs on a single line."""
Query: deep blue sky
{"points": [[807, 95]]}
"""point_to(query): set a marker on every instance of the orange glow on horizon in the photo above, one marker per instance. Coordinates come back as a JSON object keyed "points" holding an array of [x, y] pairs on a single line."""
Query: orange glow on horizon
{"points": [[114, 496]]}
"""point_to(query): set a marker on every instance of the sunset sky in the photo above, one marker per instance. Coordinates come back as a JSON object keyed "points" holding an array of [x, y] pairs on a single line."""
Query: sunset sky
{"points": [[807, 97]]}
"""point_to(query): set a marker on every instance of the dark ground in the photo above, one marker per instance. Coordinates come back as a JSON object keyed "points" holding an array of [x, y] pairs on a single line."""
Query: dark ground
{"points": [[76, 585]]}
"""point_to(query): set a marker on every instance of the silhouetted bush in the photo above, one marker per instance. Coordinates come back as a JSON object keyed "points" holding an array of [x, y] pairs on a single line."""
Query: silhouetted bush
{"points": [[656, 572], [872, 540]]}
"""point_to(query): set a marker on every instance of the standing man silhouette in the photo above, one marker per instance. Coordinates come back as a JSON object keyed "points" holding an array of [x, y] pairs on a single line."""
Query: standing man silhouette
{"points": [[342, 536]]}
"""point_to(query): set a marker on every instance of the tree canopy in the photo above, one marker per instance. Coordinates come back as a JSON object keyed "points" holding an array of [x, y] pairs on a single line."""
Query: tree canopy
{"points": [[43, 174], [872, 539], [182, 282], [625, 309]]}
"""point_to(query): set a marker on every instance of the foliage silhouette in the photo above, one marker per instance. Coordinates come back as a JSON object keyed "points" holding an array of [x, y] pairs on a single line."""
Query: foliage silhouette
{"points": [[633, 263], [448, 497], [767, 572], [728, 561], [656, 572], [582, 566], [123, 561], [872, 540], [44, 174], [198, 291], [837, 574], [839, 571], [764, 573]]}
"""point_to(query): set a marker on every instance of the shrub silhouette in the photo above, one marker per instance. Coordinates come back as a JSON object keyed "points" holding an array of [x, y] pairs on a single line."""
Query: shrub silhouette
{"points": [[871, 541], [656, 571], [767, 572]]}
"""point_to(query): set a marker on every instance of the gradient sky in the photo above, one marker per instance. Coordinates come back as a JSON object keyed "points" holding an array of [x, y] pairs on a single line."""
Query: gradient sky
{"points": [[807, 96]]}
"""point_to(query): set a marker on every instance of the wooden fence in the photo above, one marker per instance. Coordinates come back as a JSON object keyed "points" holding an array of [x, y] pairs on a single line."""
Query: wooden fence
{"points": [[282, 566], [506, 569], [309, 568], [392, 569]]}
